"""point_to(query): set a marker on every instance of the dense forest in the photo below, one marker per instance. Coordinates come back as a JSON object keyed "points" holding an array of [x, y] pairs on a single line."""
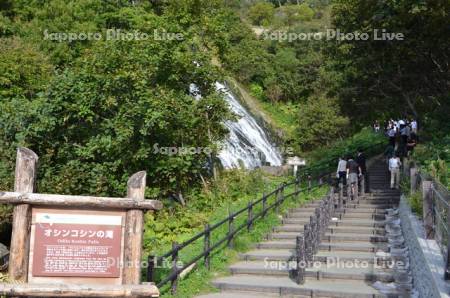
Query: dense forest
{"points": [[92, 86], [93, 108]]}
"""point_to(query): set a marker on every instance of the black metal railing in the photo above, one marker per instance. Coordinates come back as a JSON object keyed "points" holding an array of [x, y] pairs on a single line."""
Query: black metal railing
{"points": [[435, 211], [307, 243]]}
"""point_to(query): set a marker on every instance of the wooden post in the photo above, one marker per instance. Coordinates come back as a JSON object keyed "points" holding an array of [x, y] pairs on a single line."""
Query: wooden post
{"points": [[309, 183], [250, 215], [207, 245], [230, 229], [427, 209], [300, 255], [25, 178], [297, 185], [173, 286], [134, 226], [413, 179]]}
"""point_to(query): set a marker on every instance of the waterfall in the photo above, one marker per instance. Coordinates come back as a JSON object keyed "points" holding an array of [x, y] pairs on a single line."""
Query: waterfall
{"points": [[247, 141]]}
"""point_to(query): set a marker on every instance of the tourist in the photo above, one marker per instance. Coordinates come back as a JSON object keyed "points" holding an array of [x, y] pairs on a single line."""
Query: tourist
{"points": [[414, 126], [376, 126], [412, 142], [391, 134], [404, 132], [361, 161], [394, 168], [353, 170], [341, 171]]}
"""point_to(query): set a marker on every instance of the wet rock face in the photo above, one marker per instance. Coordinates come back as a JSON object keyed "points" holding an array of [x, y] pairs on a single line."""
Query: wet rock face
{"points": [[4, 255]]}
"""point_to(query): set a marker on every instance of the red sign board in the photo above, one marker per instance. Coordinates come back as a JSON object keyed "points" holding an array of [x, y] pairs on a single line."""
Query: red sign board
{"points": [[77, 245]]}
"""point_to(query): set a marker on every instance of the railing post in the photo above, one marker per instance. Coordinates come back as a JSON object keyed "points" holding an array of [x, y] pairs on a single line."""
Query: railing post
{"points": [[300, 255], [173, 287], [308, 242], [297, 186], [250, 215], [427, 209], [206, 246], [341, 195], [309, 183], [277, 197], [230, 229], [363, 185], [413, 179], [264, 205], [151, 268]]}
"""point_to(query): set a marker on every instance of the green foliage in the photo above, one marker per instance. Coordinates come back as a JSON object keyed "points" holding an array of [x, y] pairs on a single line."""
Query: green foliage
{"points": [[232, 190], [325, 158], [405, 75], [297, 13], [261, 13], [320, 123], [257, 91]]}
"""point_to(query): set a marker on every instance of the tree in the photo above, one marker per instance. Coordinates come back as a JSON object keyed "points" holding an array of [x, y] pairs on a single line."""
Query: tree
{"points": [[297, 13], [319, 123], [392, 77], [261, 13]]}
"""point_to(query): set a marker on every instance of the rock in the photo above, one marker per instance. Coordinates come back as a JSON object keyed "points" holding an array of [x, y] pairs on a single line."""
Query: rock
{"points": [[4, 257]]}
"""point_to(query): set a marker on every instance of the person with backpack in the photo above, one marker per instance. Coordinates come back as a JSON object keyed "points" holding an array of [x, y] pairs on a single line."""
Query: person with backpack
{"points": [[341, 171], [361, 161], [353, 171]]}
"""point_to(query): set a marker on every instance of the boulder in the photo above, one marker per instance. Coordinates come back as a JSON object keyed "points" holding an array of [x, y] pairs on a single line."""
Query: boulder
{"points": [[4, 257]]}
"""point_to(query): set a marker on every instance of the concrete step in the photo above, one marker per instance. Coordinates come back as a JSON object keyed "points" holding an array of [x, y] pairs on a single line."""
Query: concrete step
{"points": [[354, 246], [333, 229], [314, 271], [267, 254], [289, 244], [368, 210], [279, 244], [337, 237], [363, 216], [346, 258], [343, 222], [356, 229], [357, 222], [284, 286]]}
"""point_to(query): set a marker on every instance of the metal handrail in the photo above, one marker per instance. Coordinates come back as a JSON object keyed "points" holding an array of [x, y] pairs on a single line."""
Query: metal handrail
{"points": [[280, 197]]}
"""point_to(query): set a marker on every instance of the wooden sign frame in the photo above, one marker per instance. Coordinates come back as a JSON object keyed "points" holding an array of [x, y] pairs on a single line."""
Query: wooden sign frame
{"points": [[24, 199]]}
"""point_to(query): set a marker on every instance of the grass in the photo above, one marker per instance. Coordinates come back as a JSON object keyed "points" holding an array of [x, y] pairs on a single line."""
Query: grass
{"points": [[198, 281], [284, 115]]}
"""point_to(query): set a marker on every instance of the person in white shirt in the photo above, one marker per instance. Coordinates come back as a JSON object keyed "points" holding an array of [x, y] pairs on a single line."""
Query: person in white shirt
{"points": [[341, 172], [414, 126], [394, 168]]}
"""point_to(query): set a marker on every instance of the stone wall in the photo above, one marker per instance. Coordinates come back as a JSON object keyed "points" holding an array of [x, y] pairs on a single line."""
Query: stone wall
{"points": [[426, 260]]}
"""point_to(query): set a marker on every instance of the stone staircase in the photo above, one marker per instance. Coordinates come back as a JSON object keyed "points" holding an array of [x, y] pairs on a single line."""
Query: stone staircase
{"points": [[353, 256]]}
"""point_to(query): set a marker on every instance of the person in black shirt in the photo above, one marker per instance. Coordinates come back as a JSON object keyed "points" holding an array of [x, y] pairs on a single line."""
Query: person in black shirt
{"points": [[361, 160]]}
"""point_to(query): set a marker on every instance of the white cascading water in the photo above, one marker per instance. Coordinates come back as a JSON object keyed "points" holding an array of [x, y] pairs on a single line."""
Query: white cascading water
{"points": [[247, 141]]}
